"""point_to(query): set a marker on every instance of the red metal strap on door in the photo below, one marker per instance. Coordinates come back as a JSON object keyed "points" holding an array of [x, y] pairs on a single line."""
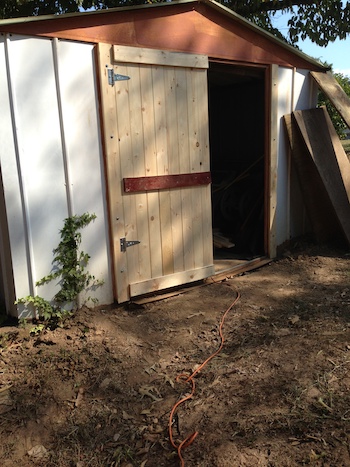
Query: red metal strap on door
{"points": [[163, 182]]}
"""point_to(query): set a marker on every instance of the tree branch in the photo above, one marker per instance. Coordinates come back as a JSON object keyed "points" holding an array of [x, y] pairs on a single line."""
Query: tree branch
{"points": [[270, 5]]}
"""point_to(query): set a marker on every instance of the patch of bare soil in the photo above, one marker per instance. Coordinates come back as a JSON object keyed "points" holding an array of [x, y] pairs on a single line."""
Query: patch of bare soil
{"points": [[99, 391]]}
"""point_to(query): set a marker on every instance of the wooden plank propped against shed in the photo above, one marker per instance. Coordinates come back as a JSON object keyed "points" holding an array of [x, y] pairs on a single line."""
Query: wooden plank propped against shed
{"points": [[323, 146], [325, 225], [335, 93]]}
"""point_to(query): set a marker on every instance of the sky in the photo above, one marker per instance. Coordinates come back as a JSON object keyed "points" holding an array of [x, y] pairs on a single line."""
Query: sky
{"points": [[336, 53]]}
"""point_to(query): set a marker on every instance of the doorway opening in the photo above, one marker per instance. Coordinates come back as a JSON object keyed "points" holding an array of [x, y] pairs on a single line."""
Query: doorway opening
{"points": [[237, 146]]}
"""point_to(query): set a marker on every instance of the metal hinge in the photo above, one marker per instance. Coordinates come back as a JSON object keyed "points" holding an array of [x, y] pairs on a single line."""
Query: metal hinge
{"points": [[113, 77], [124, 244]]}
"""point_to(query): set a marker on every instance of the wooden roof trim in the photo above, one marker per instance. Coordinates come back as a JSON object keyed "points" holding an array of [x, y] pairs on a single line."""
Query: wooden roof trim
{"points": [[226, 11], [5, 25]]}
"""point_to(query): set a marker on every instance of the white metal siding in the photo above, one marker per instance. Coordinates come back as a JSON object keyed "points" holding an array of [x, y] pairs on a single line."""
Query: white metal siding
{"points": [[11, 182], [295, 92], [51, 158]]}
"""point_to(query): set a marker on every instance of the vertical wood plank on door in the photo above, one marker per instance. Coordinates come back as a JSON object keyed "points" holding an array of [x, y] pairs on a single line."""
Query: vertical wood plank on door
{"points": [[122, 91], [113, 172], [273, 161], [161, 130], [193, 100], [201, 87], [172, 118], [151, 168], [184, 162], [138, 158]]}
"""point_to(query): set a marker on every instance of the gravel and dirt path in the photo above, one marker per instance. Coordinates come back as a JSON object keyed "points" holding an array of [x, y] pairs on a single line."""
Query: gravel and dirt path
{"points": [[99, 391]]}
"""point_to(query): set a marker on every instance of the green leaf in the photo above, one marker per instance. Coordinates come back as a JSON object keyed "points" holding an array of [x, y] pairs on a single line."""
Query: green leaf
{"points": [[69, 266]]}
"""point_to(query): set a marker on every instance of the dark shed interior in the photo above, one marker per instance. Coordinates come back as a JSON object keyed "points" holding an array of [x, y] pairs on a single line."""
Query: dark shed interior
{"points": [[237, 146]]}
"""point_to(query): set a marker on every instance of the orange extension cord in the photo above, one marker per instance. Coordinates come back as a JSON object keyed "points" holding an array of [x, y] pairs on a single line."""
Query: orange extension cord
{"points": [[190, 379]]}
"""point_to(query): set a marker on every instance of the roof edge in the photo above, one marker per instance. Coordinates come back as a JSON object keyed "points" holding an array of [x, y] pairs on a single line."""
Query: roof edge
{"points": [[212, 3], [228, 12]]}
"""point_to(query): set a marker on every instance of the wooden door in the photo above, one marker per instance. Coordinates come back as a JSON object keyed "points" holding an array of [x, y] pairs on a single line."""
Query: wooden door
{"points": [[155, 117]]}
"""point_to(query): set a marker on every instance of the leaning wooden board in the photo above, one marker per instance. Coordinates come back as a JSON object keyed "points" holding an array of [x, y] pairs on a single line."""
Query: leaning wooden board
{"points": [[335, 93], [329, 158], [320, 211]]}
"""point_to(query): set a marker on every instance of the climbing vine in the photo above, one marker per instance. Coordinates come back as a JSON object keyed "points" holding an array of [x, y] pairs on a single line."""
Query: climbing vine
{"points": [[70, 267]]}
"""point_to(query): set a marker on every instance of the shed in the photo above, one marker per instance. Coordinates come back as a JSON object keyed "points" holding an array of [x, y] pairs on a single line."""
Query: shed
{"points": [[165, 121]]}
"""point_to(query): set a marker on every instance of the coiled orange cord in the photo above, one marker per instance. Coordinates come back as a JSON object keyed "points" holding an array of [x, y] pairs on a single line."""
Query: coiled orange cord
{"points": [[190, 379]]}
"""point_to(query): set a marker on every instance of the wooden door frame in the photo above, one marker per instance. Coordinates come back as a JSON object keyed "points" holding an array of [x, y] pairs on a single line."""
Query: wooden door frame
{"points": [[270, 149]]}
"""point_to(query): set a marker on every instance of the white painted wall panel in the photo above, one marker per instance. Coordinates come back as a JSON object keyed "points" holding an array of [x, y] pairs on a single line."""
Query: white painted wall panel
{"points": [[10, 170], [40, 149], [295, 92], [78, 95], [285, 97], [305, 90], [51, 157]]}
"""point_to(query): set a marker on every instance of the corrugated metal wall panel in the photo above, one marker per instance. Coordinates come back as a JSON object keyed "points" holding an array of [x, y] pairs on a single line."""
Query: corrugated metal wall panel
{"points": [[51, 158]]}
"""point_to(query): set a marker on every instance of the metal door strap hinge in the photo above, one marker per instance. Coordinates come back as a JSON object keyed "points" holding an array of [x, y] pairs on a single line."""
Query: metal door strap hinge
{"points": [[124, 244], [113, 77]]}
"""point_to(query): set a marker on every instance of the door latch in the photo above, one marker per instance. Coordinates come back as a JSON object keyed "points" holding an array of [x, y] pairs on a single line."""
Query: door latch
{"points": [[124, 243]]}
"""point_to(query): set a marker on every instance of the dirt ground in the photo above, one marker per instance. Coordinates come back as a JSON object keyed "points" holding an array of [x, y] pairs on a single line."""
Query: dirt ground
{"points": [[99, 391]]}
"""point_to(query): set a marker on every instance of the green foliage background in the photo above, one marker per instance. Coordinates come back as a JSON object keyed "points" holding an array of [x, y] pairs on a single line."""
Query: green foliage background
{"points": [[69, 267]]}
